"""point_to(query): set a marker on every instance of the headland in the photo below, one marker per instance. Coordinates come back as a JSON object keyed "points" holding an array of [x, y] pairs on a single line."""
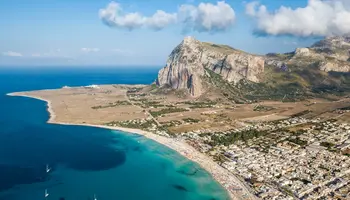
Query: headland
{"points": [[96, 107]]}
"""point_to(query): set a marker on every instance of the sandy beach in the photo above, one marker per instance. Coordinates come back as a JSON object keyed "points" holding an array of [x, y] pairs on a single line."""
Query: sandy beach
{"points": [[229, 181]]}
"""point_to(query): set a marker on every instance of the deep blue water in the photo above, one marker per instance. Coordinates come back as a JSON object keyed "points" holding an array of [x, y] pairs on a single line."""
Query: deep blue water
{"points": [[86, 160]]}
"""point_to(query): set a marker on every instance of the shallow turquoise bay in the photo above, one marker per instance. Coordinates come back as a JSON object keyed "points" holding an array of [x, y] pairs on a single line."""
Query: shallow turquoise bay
{"points": [[86, 160]]}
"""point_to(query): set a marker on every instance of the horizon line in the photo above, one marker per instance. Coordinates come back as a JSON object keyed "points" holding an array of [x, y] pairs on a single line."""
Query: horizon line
{"points": [[19, 66]]}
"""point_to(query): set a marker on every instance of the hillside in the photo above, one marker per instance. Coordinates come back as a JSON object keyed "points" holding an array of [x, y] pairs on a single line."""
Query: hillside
{"points": [[202, 69], [318, 70]]}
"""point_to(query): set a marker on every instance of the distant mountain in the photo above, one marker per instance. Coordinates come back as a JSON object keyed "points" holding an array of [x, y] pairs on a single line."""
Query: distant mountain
{"points": [[330, 54], [200, 68]]}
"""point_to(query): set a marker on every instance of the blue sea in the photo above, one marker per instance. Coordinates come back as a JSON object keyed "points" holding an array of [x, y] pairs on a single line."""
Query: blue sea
{"points": [[85, 160]]}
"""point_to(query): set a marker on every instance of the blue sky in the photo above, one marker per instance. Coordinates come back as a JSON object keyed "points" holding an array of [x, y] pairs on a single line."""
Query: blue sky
{"points": [[74, 32]]}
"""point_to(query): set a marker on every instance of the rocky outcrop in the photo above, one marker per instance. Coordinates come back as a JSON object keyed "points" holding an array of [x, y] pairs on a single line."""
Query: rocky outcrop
{"points": [[302, 52], [333, 43], [186, 65], [183, 69], [233, 66], [329, 54], [336, 66]]}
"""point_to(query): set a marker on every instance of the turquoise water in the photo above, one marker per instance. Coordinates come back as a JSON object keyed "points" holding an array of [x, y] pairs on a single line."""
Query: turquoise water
{"points": [[86, 160]]}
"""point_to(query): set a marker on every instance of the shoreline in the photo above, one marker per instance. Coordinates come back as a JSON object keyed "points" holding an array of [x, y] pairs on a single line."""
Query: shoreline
{"points": [[220, 174]]}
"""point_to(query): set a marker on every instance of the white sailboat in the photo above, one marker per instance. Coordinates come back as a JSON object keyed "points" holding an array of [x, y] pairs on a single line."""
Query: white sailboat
{"points": [[46, 193], [48, 169]]}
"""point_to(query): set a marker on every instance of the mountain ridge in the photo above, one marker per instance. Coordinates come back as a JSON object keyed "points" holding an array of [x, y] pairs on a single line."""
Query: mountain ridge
{"points": [[321, 68]]}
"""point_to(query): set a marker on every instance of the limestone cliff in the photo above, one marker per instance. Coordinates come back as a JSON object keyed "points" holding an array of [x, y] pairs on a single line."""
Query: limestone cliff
{"points": [[186, 65]]}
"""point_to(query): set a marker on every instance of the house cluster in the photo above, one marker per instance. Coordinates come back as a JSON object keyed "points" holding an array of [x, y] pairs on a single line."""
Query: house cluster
{"points": [[311, 163]]}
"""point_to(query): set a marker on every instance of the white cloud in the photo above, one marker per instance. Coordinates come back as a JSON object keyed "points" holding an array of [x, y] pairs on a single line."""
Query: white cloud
{"points": [[114, 16], [318, 18], [160, 19], [250, 8], [12, 54], [204, 17], [88, 50], [207, 17]]}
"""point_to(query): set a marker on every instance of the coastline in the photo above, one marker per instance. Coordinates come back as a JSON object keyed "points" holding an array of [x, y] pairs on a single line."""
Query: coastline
{"points": [[220, 174]]}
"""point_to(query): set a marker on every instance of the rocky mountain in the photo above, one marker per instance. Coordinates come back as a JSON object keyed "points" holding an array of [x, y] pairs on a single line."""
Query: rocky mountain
{"points": [[330, 54], [198, 67], [188, 63]]}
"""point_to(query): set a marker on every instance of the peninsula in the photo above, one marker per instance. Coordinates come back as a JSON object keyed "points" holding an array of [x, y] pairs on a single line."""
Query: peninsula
{"points": [[269, 127]]}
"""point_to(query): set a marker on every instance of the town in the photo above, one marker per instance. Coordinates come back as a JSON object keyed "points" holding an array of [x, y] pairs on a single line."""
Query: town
{"points": [[309, 163], [294, 158]]}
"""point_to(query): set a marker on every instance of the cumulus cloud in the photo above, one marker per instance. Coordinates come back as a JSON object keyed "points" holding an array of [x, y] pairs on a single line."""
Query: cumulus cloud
{"points": [[207, 17], [250, 8], [88, 50], [204, 17], [12, 54], [114, 16], [317, 18], [160, 20]]}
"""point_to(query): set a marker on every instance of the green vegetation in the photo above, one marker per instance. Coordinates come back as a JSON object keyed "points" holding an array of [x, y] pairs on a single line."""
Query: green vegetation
{"points": [[225, 49], [154, 104], [133, 90], [261, 108], [297, 141], [171, 123], [299, 114], [144, 103], [328, 145], [154, 86], [277, 85], [280, 56], [166, 111], [287, 191], [220, 158], [298, 132], [345, 108], [191, 120], [287, 91], [201, 104], [133, 124], [110, 105], [227, 89], [231, 138]]}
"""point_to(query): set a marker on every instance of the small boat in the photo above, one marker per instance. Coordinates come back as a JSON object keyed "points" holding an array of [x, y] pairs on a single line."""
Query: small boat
{"points": [[95, 198], [48, 169], [46, 193]]}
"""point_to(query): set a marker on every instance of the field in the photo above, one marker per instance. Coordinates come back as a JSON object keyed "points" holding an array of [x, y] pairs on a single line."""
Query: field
{"points": [[138, 106]]}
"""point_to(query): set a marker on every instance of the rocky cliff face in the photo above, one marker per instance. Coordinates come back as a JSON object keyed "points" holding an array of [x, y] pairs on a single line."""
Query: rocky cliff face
{"points": [[183, 69], [335, 53], [186, 65]]}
